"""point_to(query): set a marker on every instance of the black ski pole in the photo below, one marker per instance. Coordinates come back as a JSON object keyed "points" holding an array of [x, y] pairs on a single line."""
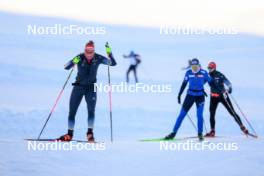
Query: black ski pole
{"points": [[110, 97], [243, 115], [233, 111], [230, 107], [55, 104]]}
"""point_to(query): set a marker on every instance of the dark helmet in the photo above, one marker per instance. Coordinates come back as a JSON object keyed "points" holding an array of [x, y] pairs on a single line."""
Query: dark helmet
{"points": [[195, 61]]}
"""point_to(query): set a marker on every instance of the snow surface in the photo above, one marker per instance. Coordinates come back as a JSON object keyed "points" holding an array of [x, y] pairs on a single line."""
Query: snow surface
{"points": [[31, 75]]}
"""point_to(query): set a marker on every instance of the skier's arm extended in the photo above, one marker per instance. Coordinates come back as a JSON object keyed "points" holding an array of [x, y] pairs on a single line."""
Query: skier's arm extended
{"points": [[72, 62], [126, 56], [228, 84], [184, 83]]}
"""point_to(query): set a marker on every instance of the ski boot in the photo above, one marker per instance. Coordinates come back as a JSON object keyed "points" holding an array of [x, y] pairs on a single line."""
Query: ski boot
{"points": [[89, 135], [200, 137], [210, 134], [170, 136], [67, 137], [245, 131]]}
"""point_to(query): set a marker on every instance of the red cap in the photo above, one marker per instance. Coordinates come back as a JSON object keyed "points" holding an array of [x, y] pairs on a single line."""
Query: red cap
{"points": [[212, 65], [89, 46]]}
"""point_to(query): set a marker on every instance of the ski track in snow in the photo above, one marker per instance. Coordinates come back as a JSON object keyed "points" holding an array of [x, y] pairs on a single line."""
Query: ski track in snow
{"points": [[31, 74]]}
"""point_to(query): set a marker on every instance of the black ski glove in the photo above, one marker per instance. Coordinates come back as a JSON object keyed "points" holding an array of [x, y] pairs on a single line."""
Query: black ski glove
{"points": [[230, 90], [179, 99]]}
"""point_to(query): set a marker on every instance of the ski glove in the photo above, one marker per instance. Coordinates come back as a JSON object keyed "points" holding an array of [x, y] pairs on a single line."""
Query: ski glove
{"points": [[179, 99], [108, 48], [76, 60], [230, 90]]}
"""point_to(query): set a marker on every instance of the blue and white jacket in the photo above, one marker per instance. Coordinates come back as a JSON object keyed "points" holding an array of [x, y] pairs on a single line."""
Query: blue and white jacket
{"points": [[196, 82]]}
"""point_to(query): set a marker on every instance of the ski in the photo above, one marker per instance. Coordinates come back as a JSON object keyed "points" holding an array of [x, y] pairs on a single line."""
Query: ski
{"points": [[175, 139], [56, 140], [163, 139], [252, 135]]}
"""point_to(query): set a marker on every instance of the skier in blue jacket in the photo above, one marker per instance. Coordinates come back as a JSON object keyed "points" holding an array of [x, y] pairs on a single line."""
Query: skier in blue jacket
{"points": [[196, 77]]}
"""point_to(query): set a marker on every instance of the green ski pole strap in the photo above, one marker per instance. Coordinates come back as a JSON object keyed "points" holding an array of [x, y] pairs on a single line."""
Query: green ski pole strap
{"points": [[76, 59], [108, 48]]}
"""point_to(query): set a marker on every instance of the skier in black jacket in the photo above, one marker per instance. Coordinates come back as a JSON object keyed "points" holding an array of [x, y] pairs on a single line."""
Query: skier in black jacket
{"points": [[135, 60], [84, 86], [219, 95]]}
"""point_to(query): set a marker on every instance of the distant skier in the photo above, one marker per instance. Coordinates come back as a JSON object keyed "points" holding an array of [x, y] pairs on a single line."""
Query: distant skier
{"points": [[84, 86], [220, 95], [196, 77], [135, 60]]}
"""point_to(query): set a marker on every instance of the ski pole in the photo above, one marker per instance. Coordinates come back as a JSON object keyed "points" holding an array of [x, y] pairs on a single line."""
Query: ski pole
{"points": [[243, 115], [205, 127], [193, 124], [110, 96], [110, 103], [230, 107], [55, 104], [233, 111]]}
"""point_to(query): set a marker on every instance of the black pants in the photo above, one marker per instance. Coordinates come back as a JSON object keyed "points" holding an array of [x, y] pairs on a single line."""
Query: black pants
{"points": [[134, 69], [76, 97], [214, 101]]}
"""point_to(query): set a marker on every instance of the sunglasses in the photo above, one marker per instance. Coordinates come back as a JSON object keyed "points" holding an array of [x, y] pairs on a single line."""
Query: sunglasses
{"points": [[89, 51], [194, 66]]}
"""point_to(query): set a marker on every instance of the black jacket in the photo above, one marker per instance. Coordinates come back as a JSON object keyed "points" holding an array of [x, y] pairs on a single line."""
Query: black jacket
{"points": [[220, 81]]}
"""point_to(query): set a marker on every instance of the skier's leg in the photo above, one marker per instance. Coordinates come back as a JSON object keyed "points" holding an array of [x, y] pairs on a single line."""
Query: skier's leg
{"points": [[127, 73], [228, 105], [199, 110], [75, 100], [135, 74], [213, 106], [187, 104], [90, 98]]}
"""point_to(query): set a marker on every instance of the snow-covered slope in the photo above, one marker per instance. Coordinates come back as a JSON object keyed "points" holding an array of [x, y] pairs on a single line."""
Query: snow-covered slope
{"points": [[31, 75]]}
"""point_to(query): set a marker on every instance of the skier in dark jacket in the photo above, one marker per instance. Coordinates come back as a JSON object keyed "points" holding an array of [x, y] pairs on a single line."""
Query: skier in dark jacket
{"points": [[84, 86], [134, 62], [219, 95], [196, 77]]}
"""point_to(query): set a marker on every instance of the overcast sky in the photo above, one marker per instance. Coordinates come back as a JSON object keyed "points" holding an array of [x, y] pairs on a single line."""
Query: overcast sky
{"points": [[244, 15]]}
